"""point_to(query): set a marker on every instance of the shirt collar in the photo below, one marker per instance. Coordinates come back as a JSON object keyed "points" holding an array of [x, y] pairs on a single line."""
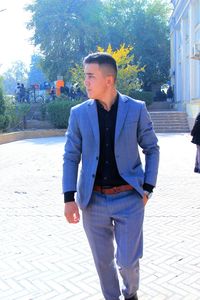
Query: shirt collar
{"points": [[114, 106]]}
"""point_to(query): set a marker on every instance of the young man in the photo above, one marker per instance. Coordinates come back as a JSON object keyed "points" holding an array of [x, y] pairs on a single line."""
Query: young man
{"points": [[112, 189]]}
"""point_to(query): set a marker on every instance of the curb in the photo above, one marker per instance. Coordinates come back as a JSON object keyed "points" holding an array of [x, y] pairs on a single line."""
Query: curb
{"points": [[30, 134]]}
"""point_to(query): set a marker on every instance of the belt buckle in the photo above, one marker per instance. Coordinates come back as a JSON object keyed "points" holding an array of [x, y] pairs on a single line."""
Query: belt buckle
{"points": [[116, 189]]}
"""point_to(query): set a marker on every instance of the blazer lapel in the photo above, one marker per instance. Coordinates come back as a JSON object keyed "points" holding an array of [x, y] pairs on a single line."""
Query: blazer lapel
{"points": [[93, 117], [121, 115]]}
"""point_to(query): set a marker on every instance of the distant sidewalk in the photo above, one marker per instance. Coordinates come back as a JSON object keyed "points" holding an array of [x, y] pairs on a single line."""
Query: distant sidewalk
{"points": [[30, 134]]}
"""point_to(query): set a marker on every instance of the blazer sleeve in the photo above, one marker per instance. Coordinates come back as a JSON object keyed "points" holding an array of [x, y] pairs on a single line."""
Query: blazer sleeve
{"points": [[72, 154], [149, 143]]}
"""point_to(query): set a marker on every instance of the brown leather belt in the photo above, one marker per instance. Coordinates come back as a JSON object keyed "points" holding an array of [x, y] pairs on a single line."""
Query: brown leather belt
{"points": [[113, 190]]}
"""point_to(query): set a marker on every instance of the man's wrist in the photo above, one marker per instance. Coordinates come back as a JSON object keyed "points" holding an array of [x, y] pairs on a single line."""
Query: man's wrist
{"points": [[69, 196], [148, 194], [148, 187]]}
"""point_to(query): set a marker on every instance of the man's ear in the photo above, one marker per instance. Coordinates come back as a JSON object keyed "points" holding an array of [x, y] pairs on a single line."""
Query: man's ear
{"points": [[110, 80]]}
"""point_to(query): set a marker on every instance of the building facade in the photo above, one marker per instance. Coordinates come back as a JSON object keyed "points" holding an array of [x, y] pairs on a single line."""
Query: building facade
{"points": [[185, 56]]}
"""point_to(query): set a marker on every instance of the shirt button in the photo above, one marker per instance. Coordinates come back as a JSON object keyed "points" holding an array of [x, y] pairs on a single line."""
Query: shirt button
{"points": [[105, 178], [107, 128], [107, 145], [107, 162]]}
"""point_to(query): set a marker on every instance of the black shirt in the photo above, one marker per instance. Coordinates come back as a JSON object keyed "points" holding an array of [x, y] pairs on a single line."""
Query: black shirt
{"points": [[107, 172]]}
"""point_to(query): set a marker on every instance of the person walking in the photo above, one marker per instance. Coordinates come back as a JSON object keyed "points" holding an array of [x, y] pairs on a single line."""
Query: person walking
{"points": [[112, 188], [195, 132]]}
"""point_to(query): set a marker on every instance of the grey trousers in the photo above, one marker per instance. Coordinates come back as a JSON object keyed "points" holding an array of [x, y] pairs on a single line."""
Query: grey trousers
{"points": [[118, 218]]}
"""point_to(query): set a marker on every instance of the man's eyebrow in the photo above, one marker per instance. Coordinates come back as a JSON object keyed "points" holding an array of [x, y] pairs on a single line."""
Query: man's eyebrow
{"points": [[88, 73]]}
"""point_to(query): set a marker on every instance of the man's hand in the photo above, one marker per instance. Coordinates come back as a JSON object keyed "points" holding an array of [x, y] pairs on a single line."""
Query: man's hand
{"points": [[71, 212], [145, 199]]}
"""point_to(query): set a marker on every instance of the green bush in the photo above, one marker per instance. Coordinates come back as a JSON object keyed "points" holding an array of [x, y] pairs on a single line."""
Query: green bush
{"points": [[4, 122], [16, 113], [59, 110], [145, 96], [43, 111]]}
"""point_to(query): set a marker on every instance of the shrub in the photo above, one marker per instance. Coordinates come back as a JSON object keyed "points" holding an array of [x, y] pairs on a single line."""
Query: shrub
{"points": [[142, 95], [59, 110], [4, 122], [16, 112]]}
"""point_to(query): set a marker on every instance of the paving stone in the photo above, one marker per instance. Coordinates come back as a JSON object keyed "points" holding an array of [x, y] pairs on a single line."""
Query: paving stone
{"points": [[44, 258]]}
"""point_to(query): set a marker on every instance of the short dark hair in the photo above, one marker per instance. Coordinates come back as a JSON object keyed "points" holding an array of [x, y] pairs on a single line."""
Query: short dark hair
{"points": [[102, 59]]}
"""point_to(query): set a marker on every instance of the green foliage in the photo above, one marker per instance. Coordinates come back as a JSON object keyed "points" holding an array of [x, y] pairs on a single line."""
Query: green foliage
{"points": [[127, 77], [144, 24], [35, 74], [59, 111], [77, 76], [21, 110], [43, 111], [67, 30], [17, 73], [142, 95], [4, 121], [2, 102], [15, 113]]}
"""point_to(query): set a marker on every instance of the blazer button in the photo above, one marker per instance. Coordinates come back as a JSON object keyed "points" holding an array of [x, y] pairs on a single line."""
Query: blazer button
{"points": [[97, 158], [93, 175]]}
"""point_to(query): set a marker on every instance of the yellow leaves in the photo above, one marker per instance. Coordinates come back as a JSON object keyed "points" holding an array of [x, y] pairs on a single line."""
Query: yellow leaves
{"points": [[127, 77], [121, 55], [127, 70]]}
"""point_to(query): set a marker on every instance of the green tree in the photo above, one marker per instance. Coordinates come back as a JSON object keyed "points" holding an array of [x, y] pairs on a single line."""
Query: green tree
{"points": [[35, 75], [17, 73], [144, 24], [65, 31]]}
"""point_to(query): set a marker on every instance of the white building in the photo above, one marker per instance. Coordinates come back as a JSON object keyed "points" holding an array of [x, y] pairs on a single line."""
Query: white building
{"points": [[185, 56]]}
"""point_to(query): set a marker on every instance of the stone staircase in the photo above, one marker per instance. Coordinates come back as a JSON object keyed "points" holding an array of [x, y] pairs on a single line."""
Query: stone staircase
{"points": [[170, 121]]}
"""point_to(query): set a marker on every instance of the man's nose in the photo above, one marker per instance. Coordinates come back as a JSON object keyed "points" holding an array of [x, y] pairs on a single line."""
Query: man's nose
{"points": [[86, 82]]}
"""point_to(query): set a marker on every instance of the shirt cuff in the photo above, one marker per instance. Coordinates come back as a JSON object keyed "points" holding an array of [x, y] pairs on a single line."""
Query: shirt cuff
{"points": [[148, 187], [69, 196]]}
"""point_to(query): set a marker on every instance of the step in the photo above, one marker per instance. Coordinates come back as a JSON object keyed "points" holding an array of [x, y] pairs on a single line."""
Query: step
{"points": [[169, 121], [37, 124]]}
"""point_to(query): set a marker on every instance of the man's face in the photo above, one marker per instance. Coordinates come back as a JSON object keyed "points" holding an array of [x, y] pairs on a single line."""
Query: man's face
{"points": [[96, 81]]}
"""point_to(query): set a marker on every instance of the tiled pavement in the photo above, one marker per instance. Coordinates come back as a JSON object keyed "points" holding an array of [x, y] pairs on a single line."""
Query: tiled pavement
{"points": [[42, 257]]}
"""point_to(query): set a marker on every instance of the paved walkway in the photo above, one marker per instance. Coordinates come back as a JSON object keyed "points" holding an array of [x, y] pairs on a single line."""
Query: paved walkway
{"points": [[42, 257]]}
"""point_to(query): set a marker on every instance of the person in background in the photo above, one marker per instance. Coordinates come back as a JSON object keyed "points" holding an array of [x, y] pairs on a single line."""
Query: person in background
{"points": [[17, 92], [22, 93], [196, 140], [53, 93], [104, 132], [170, 94]]}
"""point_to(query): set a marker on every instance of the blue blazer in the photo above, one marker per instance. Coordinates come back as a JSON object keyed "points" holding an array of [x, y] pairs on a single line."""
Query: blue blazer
{"points": [[133, 128]]}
